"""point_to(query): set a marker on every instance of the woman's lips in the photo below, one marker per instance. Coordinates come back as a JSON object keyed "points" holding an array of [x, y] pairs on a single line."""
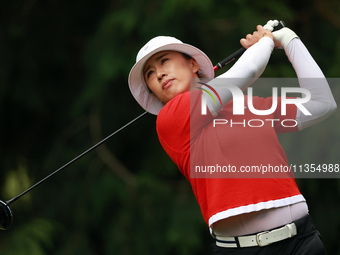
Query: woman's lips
{"points": [[167, 83]]}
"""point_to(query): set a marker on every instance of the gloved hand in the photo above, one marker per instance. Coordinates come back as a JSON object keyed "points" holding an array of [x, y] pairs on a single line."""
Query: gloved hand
{"points": [[283, 36]]}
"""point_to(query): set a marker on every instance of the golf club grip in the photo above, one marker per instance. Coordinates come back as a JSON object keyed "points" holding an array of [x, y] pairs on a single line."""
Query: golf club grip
{"points": [[240, 51]]}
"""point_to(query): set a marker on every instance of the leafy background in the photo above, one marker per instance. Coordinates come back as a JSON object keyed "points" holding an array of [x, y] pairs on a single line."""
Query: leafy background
{"points": [[63, 87]]}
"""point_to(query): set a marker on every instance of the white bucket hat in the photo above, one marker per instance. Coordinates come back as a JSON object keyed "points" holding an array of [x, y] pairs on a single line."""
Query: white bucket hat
{"points": [[137, 84]]}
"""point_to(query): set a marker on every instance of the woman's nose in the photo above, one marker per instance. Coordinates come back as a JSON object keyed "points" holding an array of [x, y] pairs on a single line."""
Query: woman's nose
{"points": [[161, 74]]}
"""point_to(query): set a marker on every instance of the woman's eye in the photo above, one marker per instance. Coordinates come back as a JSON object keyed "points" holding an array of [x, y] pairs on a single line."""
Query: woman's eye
{"points": [[149, 74], [164, 60]]}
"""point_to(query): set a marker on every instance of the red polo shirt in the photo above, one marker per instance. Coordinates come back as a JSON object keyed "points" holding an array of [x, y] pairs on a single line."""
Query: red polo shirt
{"points": [[242, 142]]}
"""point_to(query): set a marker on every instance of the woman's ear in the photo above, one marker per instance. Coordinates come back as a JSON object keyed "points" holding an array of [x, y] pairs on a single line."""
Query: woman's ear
{"points": [[195, 65]]}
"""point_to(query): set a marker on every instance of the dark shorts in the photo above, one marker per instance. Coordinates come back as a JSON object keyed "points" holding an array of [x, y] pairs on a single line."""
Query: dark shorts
{"points": [[306, 242]]}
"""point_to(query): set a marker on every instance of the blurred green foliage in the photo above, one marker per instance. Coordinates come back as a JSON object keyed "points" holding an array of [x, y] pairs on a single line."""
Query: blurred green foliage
{"points": [[63, 87]]}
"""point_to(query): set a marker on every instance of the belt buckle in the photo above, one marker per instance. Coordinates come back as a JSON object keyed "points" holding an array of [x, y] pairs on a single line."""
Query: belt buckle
{"points": [[258, 241]]}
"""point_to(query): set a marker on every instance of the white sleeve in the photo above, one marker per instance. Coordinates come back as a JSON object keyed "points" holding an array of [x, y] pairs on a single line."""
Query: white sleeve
{"points": [[322, 104], [243, 73]]}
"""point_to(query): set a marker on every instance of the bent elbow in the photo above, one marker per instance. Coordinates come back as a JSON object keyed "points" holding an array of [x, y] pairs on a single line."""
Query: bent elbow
{"points": [[318, 112], [329, 109], [333, 107]]}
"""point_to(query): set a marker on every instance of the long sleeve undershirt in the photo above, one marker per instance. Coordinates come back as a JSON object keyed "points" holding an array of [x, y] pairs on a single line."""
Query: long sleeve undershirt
{"points": [[322, 104], [243, 73], [253, 62]]}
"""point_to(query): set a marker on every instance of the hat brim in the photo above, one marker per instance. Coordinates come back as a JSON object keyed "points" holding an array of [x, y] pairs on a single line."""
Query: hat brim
{"points": [[137, 84]]}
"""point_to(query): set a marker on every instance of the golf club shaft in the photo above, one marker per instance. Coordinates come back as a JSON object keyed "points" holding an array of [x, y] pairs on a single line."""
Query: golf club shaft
{"points": [[221, 64], [76, 158]]}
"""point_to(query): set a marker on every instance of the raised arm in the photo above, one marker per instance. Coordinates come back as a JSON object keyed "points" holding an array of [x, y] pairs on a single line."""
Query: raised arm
{"points": [[247, 69], [322, 103]]}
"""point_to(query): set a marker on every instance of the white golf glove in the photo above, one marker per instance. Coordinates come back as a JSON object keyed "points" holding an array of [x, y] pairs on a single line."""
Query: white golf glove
{"points": [[271, 24], [283, 36]]}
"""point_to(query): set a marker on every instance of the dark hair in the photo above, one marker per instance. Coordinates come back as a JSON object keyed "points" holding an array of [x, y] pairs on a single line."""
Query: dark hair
{"points": [[199, 72]]}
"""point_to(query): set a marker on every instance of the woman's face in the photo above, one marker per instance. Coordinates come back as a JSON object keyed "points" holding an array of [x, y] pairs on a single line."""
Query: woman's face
{"points": [[168, 74]]}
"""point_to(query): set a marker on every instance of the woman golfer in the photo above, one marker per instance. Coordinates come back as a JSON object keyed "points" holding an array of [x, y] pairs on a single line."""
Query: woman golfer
{"points": [[244, 215]]}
